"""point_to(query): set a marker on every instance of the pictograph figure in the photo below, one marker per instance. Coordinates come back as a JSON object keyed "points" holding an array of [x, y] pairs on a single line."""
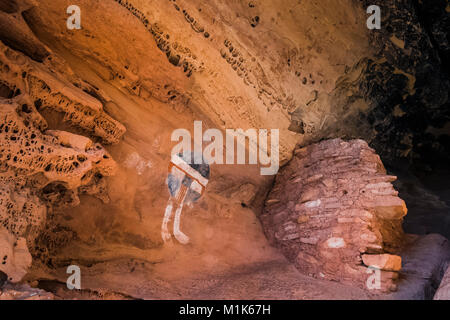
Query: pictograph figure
{"points": [[186, 183]]}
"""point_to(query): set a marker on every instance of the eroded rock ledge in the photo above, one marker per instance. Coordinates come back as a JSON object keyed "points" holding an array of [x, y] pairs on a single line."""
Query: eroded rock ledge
{"points": [[334, 212]]}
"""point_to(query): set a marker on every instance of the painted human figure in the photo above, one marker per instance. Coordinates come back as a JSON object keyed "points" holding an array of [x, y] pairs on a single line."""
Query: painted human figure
{"points": [[187, 182]]}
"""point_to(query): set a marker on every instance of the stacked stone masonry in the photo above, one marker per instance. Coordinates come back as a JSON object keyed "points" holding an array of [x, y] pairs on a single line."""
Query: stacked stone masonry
{"points": [[334, 212]]}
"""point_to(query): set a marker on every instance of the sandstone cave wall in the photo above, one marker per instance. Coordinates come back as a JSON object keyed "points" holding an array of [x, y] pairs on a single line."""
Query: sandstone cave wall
{"points": [[310, 70]]}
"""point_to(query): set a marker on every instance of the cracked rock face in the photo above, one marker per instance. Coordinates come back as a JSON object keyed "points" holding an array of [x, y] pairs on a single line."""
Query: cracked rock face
{"points": [[334, 212]]}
